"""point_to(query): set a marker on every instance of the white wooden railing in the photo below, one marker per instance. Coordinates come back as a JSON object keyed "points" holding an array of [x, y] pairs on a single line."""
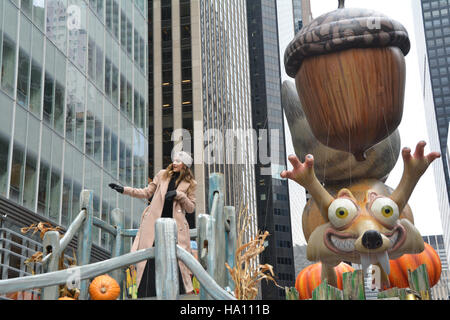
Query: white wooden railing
{"points": [[216, 237]]}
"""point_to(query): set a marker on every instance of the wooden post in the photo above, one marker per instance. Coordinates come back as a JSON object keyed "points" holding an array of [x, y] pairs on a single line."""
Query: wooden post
{"points": [[166, 264], [291, 293], [393, 293], [230, 241], [117, 220], [202, 239], [51, 245], [353, 285], [419, 282], [217, 246], [326, 292], [85, 237], [203, 246]]}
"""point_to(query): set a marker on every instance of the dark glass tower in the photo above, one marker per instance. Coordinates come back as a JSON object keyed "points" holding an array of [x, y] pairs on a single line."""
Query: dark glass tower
{"points": [[272, 192], [436, 18]]}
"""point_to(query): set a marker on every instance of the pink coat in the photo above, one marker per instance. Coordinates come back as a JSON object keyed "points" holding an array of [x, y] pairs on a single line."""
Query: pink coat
{"points": [[184, 202]]}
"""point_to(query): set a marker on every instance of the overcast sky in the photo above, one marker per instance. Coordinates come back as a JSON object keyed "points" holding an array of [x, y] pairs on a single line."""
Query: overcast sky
{"points": [[423, 201]]}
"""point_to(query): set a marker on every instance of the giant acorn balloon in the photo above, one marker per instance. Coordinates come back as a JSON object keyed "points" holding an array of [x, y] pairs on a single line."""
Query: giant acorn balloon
{"points": [[335, 166], [349, 69]]}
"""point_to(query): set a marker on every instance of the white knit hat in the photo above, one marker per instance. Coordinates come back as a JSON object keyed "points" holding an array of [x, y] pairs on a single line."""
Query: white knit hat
{"points": [[183, 157]]}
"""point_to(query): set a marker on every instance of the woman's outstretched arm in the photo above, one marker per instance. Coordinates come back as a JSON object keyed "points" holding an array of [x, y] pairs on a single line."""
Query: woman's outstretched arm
{"points": [[144, 193]]}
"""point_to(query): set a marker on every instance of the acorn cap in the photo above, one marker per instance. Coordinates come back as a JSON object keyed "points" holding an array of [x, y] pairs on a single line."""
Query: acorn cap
{"points": [[344, 28]]}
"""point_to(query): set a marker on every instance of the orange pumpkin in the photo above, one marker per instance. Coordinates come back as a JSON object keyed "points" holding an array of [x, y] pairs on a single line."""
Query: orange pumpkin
{"points": [[66, 298], [104, 288], [398, 276], [309, 278]]}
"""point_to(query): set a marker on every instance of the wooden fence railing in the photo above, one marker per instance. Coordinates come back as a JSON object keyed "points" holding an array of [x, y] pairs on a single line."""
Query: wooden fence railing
{"points": [[216, 237]]}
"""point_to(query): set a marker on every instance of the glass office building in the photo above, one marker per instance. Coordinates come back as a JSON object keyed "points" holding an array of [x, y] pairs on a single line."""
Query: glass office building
{"points": [[226, 100], [74, 104]]}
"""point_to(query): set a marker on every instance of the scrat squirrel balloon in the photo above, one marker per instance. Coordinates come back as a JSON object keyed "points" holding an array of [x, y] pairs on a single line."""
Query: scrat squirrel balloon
{"points": [[365, 223]]}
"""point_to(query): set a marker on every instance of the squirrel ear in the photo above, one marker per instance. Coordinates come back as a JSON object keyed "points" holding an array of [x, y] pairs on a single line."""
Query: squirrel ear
{"points": [[370, 196], [345, 193]]}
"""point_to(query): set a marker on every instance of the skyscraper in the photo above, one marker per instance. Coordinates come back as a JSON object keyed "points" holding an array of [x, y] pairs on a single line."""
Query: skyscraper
{"points": [[74, 104], [433, 48], [200, 92], [273, 192], [301, 10], [441, 291], [290, 11], [297, 15]]}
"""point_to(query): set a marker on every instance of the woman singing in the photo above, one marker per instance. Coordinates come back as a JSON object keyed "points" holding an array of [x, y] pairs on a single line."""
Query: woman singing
{"points": [[172, 194]]}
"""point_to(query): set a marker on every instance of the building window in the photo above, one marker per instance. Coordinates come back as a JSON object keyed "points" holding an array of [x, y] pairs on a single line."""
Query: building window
{"points": [[36, 72], [283, 244], [31, 163], [18, 166], [5, 136], [282, 228], [75, 107], [35, 10], [284, 260], [56, 29], [281, 197], [23, 73], [9, 48]]}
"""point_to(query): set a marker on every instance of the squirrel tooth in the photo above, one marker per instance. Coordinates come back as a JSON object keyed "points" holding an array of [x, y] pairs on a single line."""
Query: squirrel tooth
{"points": [[383, 260]]}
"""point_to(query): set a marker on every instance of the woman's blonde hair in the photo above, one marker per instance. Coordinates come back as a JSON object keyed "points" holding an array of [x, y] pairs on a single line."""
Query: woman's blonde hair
{"points": [[185, 174]]}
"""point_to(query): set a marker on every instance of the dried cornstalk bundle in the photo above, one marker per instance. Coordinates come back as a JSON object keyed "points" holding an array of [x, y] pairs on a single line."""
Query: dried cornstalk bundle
{"points": [[247, 272], [64, 290], [42, 227], [70, 293], [37, 257]]}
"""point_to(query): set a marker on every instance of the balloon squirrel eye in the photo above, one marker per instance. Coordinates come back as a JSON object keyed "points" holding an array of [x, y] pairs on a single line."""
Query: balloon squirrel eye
{"points": [[341, 212], [385, 210]]}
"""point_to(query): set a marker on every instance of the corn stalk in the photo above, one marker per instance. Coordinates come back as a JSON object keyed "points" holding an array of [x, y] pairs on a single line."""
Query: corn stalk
{"points": [[248, 272], [44, 227]]}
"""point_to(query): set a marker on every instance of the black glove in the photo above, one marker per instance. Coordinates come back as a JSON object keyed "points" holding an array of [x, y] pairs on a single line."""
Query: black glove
{"points": [[170, 195], [116, 187]]}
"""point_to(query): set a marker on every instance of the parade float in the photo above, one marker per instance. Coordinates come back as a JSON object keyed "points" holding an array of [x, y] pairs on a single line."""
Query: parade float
{"points": [[343, 113]]}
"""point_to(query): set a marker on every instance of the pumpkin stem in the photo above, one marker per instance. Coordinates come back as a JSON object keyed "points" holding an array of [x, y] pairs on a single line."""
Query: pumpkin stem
{"points": [[341, 4], [103, 290]]}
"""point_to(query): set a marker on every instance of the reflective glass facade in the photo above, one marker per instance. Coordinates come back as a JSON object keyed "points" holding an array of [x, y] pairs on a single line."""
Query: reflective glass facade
{"points": [[226, 99], [74, 103]]}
